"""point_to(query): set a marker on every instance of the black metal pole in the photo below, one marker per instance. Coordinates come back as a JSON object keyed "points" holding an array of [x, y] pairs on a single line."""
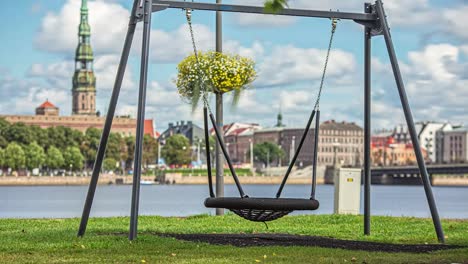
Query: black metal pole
{"points": [[219, 161], [296, 154], [314, 164], [140, 120], [208, 152], [367, 121], [226, 155], [410, 122], [108, 123]]}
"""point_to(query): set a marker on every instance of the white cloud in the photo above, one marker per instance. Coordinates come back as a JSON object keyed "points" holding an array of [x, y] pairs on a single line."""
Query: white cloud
{"points": [[456, 21], [172, 47], [256, 51], [289, 64], [433, 62], [59, 31], [435, 84], [24, 95]]}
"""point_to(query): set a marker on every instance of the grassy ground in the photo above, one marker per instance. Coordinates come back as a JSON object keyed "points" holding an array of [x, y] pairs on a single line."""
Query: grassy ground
{"points": [[52, 241]]}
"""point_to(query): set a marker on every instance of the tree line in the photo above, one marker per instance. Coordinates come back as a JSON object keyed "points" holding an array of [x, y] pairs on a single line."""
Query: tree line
{"points": [[29, 147], [177, 151]]}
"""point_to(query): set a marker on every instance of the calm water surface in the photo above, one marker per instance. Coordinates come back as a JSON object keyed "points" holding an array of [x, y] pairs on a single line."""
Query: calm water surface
{"points": [[184, 200]]}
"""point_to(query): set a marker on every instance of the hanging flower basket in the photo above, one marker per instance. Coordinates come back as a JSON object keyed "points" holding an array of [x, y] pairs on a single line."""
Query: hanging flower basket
{"points": [[216, 72]]}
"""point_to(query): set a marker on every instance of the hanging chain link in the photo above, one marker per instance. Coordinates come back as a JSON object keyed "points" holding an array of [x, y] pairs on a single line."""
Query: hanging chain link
{"points": [[333, 30], [188, 13]]}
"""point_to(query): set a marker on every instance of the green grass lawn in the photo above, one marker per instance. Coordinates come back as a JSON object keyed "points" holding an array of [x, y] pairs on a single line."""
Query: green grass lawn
{"points": [[54, 240]]}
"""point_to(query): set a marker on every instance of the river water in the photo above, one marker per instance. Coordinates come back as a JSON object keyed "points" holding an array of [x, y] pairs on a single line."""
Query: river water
{"points": [[184, 200]]}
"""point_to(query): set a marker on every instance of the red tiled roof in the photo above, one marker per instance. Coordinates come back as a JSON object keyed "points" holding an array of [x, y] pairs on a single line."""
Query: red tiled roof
{"points": [[47, 104], [239, 130], [149, 128]]}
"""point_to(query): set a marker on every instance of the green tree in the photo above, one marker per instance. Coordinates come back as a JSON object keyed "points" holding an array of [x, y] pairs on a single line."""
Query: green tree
{"points": [[19, 133], [63, 137], [3, 142], [109, 164], [57, 137], [14, 156], [35, 156], [3, 126], [90, 145], [2, 158], [114, 146], [130, 147], [267, 152], [41, 136], [73, 159], [150, 150], [54, 159], [177, 150]]}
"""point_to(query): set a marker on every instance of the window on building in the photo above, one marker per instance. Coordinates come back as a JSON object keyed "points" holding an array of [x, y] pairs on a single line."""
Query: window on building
{"points": [[82, 97], [82, 106]]}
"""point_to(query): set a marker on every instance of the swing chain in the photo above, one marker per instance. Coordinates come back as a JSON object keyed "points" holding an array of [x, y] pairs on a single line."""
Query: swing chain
{"points": [[188, 13], [333, 30]]}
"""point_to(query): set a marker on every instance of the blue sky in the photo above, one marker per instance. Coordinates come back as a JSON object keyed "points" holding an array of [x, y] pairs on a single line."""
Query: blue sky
{"points": [[430, 36]]}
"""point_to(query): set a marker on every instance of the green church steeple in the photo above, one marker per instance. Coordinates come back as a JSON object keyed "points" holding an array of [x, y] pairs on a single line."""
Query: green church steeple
{"points": [[279, 119], [84, 81]]}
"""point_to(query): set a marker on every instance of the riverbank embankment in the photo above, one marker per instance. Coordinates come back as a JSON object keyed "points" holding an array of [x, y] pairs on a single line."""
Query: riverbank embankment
{"points": [[175, 178]]}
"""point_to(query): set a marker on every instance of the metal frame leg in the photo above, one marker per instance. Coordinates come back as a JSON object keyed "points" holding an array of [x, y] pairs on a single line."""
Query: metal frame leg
{"points": [[410, 122], [108, 123], [140, 120], [367, 122]]}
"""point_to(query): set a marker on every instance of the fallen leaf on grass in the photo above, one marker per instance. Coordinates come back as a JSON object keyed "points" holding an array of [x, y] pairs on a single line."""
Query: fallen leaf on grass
{"points": [[143, 261], [83, 246], [173, 254]]}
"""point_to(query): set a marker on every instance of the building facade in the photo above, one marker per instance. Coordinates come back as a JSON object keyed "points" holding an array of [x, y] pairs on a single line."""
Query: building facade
{"points": [[341, 142], [47, 115], [396, 154], [430, 136], [188, 129], [455, 146]]}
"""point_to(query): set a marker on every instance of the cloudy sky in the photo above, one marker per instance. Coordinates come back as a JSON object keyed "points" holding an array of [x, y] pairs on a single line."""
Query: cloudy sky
{"points": [[40, 37]]}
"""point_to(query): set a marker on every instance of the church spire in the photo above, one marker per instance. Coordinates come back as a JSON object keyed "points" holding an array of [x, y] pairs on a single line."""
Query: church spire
{"points": [[279, 119], [84, 81]]}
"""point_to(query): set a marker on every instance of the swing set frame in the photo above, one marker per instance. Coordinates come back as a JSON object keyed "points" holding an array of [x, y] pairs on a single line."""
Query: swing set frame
{"points": [[375, 24]]}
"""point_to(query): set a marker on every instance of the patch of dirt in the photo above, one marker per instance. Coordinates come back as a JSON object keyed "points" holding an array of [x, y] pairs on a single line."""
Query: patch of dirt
{"points": [[251, 240]]}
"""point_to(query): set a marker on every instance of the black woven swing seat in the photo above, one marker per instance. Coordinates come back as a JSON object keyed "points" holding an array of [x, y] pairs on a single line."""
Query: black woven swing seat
{"points": [[261, 209]]}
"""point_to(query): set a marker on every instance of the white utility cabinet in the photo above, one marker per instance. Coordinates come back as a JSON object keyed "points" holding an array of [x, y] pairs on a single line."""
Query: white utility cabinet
{"points": [[347, 191]]}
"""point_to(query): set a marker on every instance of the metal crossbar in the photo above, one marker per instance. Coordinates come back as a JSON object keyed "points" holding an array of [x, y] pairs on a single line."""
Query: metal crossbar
{"points": [[261, 10]]}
